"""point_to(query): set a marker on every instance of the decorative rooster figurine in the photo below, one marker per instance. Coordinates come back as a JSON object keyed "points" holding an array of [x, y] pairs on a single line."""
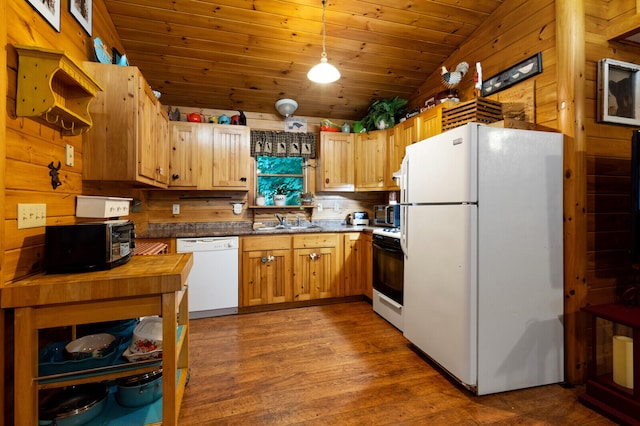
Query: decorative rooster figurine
{"points": [[451, 79]]}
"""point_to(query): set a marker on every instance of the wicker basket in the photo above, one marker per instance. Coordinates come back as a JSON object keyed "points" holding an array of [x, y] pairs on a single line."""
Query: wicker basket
{"points": [[480, 110]]}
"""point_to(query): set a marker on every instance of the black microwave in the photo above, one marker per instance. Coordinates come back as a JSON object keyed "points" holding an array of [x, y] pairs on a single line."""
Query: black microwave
{"points": [[90, 246]]}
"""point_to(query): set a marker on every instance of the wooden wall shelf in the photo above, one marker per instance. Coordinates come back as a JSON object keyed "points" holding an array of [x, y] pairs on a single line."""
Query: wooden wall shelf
{"points": [[54, 90]]}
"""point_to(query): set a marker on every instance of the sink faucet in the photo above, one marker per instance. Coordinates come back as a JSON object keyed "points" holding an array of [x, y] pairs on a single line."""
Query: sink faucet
{"points": [[282, 220]]}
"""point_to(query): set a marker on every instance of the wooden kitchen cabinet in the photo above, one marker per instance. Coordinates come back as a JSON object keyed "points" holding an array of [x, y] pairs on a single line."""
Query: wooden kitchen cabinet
{"points": [[404, 134], [183, 153], [146, 285], [316, 266], [335, 168], [352, 264], [371, 160], [129, 139], [431, 121], [358, 264], [224, 158], [367, 263], [266, 270]]}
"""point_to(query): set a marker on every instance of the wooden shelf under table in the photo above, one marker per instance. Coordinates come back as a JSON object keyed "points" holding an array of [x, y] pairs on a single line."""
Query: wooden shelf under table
{"points": [[146, 285]]}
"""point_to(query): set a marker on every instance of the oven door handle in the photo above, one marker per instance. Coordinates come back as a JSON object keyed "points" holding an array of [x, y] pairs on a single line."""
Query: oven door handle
{"points": [[389, 301], [387, 248]]}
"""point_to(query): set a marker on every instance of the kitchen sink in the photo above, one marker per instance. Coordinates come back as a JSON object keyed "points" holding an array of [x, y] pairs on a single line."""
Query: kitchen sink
{"points": [[286, 228]]}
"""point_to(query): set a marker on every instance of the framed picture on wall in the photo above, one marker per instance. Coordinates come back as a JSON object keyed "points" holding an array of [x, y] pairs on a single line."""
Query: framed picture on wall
{"points": [[49, 9], [81, 10], [618, 92], [517, 73]]}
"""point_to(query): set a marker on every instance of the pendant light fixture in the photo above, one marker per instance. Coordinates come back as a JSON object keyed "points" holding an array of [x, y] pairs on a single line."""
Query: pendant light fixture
{"points": [[324, 72]]}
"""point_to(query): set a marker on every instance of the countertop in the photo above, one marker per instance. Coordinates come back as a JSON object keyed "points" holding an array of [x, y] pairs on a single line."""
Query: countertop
{"points": [[142, 275], [225, 229]]}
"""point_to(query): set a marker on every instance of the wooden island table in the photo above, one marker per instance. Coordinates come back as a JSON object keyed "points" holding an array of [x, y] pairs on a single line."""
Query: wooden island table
{"points": [[146, 285]]}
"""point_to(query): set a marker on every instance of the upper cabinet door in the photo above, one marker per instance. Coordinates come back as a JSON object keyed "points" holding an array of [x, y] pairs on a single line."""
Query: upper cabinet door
{"points": [[371, 160], [147, 132], [223, 157], [183, 158], [335, 169], [430, 122], [404, 134], [128, 141]]}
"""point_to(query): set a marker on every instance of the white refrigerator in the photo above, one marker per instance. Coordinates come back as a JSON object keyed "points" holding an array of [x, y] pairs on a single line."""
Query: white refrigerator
{"points": [[481, 229]]}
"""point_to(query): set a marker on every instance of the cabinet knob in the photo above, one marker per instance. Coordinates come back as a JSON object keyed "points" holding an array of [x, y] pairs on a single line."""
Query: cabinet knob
{"points": [[175, 176], [326, 180], [243, 179]]}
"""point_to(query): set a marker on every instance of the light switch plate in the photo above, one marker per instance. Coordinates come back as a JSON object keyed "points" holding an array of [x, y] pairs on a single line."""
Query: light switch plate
{"points": [[32, 215], [69, 155], [176, 209]]}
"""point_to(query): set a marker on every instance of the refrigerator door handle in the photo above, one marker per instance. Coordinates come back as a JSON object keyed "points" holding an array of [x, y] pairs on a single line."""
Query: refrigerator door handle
{"points": [[404, 180], [403, 230], [404, 198]]}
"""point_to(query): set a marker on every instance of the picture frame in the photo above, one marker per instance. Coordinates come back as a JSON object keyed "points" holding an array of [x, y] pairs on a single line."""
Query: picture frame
{"points": [[618, 92], [82, 10], [295, 125], [517, 73], [49, 10]]}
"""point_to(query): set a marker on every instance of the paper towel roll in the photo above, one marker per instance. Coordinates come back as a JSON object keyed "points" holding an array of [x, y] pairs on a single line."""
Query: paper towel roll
{"points": [[623, 361]]}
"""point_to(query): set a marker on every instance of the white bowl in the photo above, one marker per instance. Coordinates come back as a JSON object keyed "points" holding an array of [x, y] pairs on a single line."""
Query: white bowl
{"points": [[92, 345], [147, 336]]}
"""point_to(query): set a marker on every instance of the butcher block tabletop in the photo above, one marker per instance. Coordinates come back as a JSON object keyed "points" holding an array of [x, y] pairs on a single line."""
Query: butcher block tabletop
{"points": [[142, 275]]}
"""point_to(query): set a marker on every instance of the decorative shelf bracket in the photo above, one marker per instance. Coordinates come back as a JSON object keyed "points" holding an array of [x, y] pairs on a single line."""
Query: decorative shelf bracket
{"points": [[54, 90]]}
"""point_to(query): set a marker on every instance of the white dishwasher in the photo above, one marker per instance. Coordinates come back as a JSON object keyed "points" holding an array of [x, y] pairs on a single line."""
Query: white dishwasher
{"points": [[213, 281]]}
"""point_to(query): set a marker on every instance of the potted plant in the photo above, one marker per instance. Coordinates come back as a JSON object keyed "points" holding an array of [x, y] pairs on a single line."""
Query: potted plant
{"points": [[306, 198], [280, 195], [260, 199], [382, 113]]}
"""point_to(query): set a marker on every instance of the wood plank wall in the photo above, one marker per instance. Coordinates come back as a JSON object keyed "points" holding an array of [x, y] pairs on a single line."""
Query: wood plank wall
{"points": [[517, 30], [30, 147], [608, 163], [5, 323]]}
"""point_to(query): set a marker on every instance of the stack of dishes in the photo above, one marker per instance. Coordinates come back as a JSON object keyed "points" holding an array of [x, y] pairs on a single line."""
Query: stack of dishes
{"points": [[147, 340]]}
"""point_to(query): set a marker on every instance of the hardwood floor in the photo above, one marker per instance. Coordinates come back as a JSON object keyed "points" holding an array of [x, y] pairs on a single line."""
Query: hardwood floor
{"points": [[342, 365]]}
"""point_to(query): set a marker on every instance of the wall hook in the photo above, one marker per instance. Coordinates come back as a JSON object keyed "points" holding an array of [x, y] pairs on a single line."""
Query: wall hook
{"points": [[55, 180]]}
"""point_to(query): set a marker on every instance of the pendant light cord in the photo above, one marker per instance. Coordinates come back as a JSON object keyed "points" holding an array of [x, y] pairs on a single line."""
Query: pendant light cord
{"points": [[324, 29]]}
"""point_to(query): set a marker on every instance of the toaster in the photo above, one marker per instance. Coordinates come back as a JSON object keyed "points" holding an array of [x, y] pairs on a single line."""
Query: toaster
{"points": [[360, 218]]}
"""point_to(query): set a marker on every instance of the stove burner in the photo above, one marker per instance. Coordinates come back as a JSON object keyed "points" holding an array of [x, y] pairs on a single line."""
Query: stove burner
{"points": [[388, 232]]}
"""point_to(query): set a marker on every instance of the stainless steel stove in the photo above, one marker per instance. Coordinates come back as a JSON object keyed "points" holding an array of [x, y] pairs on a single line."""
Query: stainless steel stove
{"points": [[388, 275]]}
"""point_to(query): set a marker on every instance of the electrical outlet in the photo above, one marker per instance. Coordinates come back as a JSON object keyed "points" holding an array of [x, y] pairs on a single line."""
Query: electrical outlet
{"points": [[319, 207], [336, 207], [69, 156], [176, 209], [32, 215]]}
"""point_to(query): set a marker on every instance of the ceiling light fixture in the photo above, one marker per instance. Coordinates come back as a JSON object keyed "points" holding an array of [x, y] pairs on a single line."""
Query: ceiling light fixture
{"points": [[324, 72], [286, 107]]}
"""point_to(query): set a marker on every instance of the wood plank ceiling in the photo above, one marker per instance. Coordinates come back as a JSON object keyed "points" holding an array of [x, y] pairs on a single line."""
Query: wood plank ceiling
{"points": [[247, 54]]}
